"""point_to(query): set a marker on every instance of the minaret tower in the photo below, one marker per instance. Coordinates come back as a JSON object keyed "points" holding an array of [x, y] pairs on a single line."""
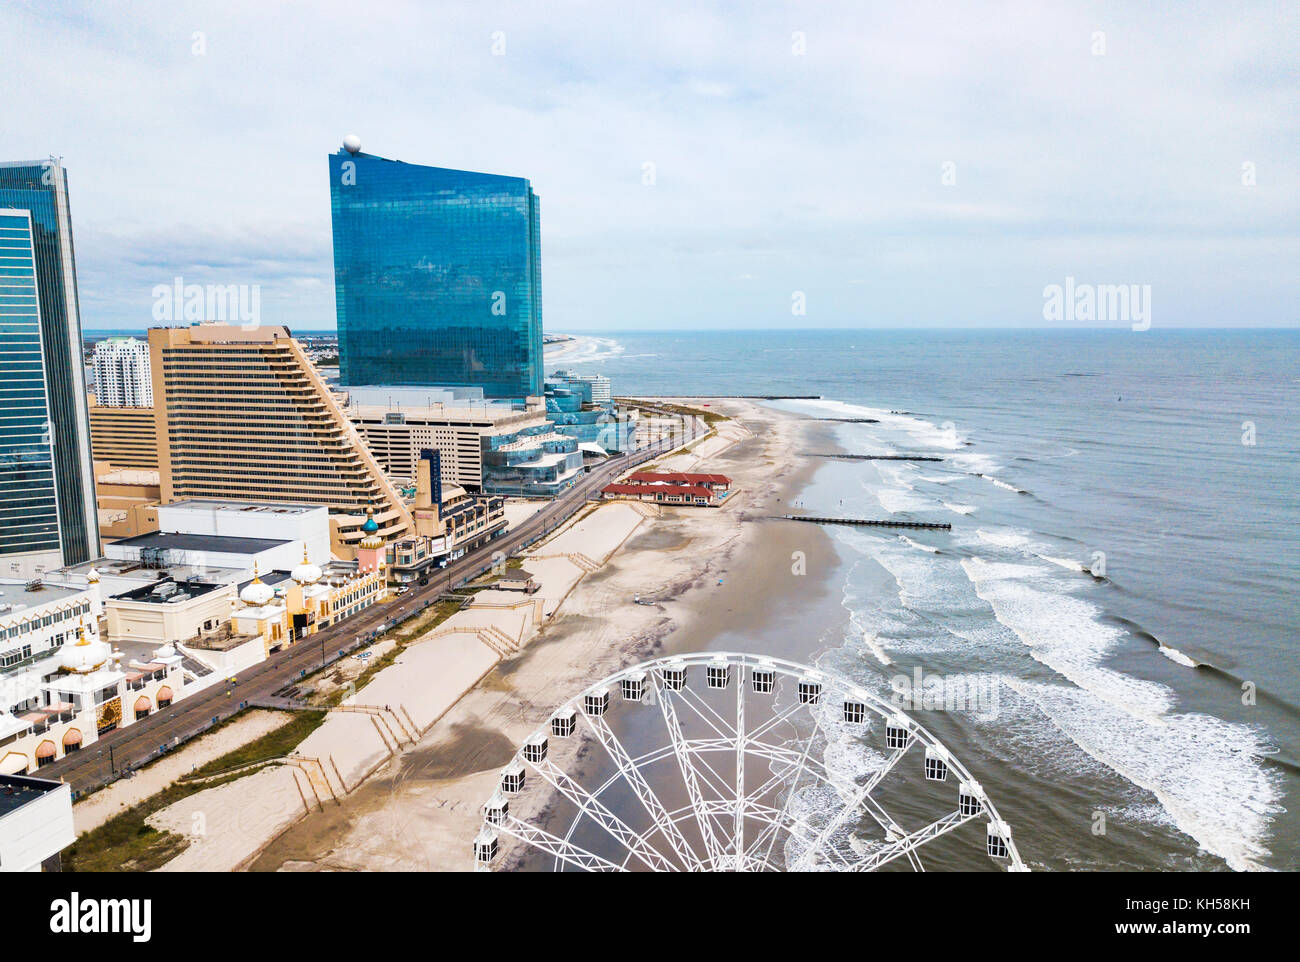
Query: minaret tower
{"points": [[371, 549]]}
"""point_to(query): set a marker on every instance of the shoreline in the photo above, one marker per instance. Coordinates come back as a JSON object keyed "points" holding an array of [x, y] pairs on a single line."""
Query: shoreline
{"points": [[420, 809]]}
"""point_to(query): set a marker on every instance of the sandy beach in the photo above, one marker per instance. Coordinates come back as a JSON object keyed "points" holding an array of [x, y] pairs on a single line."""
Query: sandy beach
{"points": [[704, 568], [394, 777]]}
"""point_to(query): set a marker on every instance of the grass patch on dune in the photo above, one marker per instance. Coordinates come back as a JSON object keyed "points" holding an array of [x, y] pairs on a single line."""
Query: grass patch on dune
{"points": [[707, 415], [273, 744], [127, 843]]}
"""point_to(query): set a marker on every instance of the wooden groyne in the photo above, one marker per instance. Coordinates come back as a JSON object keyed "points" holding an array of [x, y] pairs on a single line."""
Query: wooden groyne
{"points": [[850, 420], [867, 522], [873, 457]]}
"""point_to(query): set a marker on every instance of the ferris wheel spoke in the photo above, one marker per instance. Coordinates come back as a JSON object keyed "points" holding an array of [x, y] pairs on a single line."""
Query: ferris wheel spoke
{"points": [[556, 847], [907, 844], [797, 827], [773, 829], [594, 809], [706, 713], [783, 756], [855, 804], [784, 715], [690, 776], [739, 831], [701, 750], [633, 775]]}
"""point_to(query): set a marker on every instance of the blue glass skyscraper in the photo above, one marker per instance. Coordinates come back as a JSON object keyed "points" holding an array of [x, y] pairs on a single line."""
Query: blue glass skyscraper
{"points": [[47, 488], [437, 276]]}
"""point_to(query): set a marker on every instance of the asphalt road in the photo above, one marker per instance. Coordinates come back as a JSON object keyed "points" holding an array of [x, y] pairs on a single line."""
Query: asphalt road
{"points": [[130, 746]]}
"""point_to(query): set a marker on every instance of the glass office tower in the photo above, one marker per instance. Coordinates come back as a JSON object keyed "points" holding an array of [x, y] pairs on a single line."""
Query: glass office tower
{"points": [[437, 276], [47, 488]]}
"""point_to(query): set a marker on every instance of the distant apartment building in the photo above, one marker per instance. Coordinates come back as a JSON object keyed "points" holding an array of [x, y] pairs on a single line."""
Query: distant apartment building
{"points": [[437, 276], [122, 378], [242, 414], [47, 491], [600, 385]]}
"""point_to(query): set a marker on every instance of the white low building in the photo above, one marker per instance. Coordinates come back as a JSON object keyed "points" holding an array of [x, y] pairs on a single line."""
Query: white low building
{"points": [[36, 618], [300, 523], [199, 553], [35, 822]]}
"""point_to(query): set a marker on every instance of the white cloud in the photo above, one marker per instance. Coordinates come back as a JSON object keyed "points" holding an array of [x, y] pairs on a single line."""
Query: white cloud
{"points": [[818, 172]]}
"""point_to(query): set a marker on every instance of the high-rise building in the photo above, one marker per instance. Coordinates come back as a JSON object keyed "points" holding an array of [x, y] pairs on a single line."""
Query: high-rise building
{"points": [[124, 437], [242, 414], [122, 377], [47, 488], [437, 276]]}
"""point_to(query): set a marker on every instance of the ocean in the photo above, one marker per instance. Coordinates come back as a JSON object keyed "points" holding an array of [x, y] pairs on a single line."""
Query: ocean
{"points": [[1120, 581]]}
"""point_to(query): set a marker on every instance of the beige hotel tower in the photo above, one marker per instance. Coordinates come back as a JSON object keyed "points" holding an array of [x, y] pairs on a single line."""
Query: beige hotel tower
{"points": [[242, 414]]}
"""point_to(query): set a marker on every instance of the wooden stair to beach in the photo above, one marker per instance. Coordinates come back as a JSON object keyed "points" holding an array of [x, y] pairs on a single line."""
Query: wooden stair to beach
{"points": [[384, 719], [577, 558], [493, 637], [317, 780]]}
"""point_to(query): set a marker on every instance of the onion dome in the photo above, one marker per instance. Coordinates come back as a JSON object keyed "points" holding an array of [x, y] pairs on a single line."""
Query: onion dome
{"points": [[371, 528], [257, 592], [371, 525], [305, 573], [92, 577], [84, 656]]}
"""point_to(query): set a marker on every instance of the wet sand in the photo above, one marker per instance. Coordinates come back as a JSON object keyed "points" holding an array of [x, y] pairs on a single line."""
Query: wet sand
{"points": [[718, 577]]}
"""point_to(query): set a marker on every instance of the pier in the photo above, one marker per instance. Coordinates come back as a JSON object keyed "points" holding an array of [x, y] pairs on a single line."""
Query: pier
{"points": [[849, 420], [873, 457], [867, 522]]}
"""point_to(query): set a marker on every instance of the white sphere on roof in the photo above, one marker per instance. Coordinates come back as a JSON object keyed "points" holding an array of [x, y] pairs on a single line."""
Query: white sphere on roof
{"points": [[85, 656], [306, 573], [256, 593], [352, 143]]}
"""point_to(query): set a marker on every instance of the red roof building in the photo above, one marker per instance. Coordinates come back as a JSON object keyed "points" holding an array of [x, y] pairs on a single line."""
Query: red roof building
{"points": [[661, 493], [714, 482]]}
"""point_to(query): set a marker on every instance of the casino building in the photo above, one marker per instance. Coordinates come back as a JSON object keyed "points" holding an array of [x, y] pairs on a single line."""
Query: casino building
{"points": [[437, 275], [68, 686]]}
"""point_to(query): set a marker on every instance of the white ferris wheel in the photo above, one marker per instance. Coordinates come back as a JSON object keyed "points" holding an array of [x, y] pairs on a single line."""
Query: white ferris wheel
{"points": [[735, 762]]}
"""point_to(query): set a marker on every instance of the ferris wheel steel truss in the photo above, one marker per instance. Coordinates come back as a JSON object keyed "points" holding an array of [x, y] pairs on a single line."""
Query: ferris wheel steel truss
{"points": [[720, 810]]}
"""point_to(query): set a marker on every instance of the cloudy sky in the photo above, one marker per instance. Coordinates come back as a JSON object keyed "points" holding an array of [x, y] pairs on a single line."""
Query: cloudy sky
{"points": [[900, 164]]}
